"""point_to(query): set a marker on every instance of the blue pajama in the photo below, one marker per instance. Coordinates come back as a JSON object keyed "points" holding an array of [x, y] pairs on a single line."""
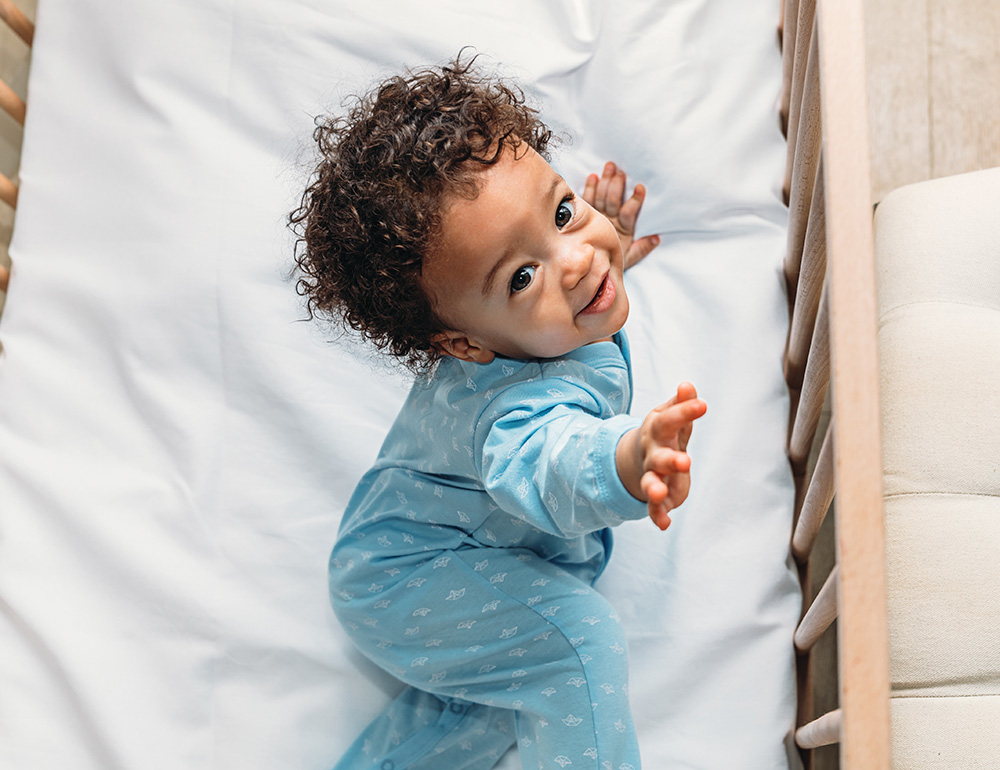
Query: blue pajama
{"points": [[465, 565]]}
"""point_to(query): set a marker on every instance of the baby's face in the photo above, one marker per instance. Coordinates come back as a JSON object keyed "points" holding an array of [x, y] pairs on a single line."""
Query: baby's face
{"points": [[527, 269]]}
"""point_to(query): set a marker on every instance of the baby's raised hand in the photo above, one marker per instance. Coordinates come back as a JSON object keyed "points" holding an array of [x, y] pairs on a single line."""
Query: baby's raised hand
{"points": [[652, 460], [607, 194]]}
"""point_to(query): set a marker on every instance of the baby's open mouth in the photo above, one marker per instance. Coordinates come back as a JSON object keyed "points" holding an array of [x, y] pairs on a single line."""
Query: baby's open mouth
{"points": [[604, 297]]}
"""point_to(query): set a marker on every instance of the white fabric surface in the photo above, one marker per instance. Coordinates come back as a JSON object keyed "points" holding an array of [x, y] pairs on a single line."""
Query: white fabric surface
{"points": [[177, 444]]}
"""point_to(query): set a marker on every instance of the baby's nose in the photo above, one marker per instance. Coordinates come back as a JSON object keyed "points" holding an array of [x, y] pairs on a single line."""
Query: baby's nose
{"points": [[577, 264]]}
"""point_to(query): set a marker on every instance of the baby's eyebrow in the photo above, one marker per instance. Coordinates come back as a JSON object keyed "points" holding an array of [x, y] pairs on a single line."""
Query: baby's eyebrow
{"points": [[491, 276], [495, 270]]}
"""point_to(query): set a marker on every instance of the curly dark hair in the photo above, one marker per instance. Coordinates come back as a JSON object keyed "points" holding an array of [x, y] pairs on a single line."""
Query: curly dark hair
{"points": [[373, 208]]}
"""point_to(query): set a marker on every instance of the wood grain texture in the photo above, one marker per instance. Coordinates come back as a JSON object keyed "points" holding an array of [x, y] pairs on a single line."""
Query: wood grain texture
{"points": [[862, 624], [820, 732], [821, 613], [815, 384], [11, 103], [816, 502], [805, 274], [15, 18]]}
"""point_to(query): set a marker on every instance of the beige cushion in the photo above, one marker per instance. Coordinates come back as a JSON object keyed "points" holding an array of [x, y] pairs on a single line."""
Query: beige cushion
{"points": [[937, 249]]}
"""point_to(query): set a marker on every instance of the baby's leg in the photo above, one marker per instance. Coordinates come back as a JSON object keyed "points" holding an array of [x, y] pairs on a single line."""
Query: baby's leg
{"points": [[420, 731], [505, 628]]}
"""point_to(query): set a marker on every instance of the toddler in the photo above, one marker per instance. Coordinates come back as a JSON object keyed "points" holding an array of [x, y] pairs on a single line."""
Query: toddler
{"points": [[435, 227]]}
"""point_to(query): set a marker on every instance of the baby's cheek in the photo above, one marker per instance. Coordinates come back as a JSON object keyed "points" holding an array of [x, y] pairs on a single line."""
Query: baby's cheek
{"points": [[553, 341]]}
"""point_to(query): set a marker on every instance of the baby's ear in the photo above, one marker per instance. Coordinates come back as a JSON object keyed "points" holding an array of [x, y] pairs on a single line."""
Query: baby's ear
{"points": [[458, 345]]}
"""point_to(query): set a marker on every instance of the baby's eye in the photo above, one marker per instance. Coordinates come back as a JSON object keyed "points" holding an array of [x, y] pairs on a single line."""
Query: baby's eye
{"points": [[565, 212], [522, 278]]}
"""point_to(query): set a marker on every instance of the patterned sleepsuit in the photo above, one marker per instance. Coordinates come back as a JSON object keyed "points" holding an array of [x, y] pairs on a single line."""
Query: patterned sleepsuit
{"points": [[465, 562]]}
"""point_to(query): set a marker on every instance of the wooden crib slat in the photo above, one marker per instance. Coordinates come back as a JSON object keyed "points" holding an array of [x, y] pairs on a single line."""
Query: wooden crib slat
{"points": [[11, 103], [17, 21], [801, 173], [821, 732], [821, 613], [799, 48], [4, 278], [819, 496], [810, 269], [815, 384], [787, 31], [804, 103], [8, 192], [863, 638]]}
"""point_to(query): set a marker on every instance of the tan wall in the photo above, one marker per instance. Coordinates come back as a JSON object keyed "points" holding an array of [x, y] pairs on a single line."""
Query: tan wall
{"points": [[933, 88]]}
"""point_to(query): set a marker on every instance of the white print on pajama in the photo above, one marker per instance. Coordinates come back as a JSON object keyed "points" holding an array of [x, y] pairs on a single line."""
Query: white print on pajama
{"points": [[465, 561], [513, 633]]}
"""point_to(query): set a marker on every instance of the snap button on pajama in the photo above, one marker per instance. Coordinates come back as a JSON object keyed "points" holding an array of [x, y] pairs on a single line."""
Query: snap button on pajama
{"points": [[465, 562]]}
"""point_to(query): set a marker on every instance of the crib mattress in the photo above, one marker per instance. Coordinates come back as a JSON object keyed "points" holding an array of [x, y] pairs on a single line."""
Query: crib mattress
{"points": [[178, 443]]}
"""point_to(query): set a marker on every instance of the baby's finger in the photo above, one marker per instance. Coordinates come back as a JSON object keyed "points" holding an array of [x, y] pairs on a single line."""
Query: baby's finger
{"points": [[616, 194], [671, 418], [630, 209], [640, 249], [610, 190], [590, 189], [601, 188], [660, 514], [653, 487], [658, 504], [686, 391], [684, 436], [668, 462]]}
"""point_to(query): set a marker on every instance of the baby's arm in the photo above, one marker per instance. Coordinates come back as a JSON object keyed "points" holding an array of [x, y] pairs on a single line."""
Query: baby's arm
{"points": [[607, 194], [652, 462]]}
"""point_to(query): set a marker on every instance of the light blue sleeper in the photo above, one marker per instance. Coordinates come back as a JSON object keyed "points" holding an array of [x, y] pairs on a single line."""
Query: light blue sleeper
{"points": [[465, 563]]}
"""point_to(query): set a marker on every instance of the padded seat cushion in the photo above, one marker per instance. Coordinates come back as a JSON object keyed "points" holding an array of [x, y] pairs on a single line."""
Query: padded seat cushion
{"points": [[937, 247]]}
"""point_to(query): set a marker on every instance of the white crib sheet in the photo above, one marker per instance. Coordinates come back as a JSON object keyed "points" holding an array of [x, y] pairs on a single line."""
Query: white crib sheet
{"points": [[177, 444]]}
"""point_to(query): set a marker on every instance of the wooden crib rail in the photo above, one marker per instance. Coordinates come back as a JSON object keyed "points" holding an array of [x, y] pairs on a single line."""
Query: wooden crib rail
{"points": [[13, 105], [8, 192], [10, 102], [832, 343], [12, 16]]}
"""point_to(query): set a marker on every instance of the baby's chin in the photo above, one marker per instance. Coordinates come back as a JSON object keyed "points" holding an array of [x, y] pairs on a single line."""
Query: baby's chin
{"points": [[604, 336], [557, 346]]}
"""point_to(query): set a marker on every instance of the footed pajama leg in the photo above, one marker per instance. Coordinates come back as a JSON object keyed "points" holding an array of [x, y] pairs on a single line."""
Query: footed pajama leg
{"points": [[505, 629], [420, 731]]}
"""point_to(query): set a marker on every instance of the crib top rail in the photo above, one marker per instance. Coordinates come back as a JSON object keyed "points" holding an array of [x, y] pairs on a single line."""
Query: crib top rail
{"points": [[854, 361], [833, 344]]}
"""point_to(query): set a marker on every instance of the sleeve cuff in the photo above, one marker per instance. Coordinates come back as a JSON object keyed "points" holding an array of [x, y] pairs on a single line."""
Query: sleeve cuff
{"points": [[620, 504]]}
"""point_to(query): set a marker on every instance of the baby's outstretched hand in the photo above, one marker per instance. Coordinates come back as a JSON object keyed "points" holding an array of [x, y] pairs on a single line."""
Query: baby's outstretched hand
{"points": [[652, 460], [607, 194]]}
